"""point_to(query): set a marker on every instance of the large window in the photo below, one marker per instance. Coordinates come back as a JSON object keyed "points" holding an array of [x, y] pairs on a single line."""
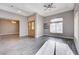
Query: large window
{"points": [[56, 25]]}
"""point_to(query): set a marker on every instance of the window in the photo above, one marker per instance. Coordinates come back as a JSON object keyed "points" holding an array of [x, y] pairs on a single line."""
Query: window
{"points": [[32, 25], [56, 25]]}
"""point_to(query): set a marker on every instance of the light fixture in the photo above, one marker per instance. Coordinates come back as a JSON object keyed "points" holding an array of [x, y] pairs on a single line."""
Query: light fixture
{"points": [[49, 6], [13, 22], [19, 11]]}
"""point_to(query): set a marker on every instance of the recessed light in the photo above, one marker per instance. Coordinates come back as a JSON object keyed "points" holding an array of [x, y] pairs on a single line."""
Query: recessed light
{"points": [[19, 11], [13, 22]]}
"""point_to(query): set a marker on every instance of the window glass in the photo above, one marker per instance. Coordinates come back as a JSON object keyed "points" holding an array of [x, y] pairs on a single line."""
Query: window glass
{"points": [[32, 25], [56, 25]]}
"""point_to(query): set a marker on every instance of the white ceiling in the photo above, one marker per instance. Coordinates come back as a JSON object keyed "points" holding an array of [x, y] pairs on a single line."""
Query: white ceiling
{"points": [[27, 9]]}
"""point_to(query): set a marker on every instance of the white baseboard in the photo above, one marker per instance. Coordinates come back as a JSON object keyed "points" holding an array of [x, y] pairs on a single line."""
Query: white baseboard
{"points": [[10, 34]]}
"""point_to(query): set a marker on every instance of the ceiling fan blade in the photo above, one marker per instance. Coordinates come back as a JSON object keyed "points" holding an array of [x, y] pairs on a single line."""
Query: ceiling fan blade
{"points": [[45, 6], [51, 4]]}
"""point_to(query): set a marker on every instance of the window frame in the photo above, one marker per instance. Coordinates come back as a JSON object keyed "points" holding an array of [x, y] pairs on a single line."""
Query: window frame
{"points": [[56, 22]]}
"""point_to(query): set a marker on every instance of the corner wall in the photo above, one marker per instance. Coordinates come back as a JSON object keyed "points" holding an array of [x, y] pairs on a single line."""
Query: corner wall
{"points": [[76, 26], [23, 26], [38, 26]]}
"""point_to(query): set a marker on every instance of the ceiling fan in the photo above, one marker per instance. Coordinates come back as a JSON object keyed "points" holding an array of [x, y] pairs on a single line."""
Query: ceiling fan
{"points": [[49, 6]]}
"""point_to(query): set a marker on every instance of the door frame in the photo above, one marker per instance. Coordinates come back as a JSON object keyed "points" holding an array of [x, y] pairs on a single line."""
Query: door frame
{"points": [[34, 28]]}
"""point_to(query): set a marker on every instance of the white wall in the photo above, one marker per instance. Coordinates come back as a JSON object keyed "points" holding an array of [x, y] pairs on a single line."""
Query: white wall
{"points": [[22, 19], [68, 24], [76, 26], [23, 27], [38, 26]]}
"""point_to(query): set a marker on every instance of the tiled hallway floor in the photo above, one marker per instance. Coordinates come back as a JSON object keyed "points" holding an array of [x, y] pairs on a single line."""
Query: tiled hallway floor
{"points": [[13, 45]]}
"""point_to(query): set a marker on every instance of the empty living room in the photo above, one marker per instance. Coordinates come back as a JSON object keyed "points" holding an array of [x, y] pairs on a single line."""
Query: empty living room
{"points": [[39, 28]]}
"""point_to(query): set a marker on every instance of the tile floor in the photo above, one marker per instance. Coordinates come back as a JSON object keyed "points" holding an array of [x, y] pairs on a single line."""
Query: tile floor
{"points": [[15, 45]]}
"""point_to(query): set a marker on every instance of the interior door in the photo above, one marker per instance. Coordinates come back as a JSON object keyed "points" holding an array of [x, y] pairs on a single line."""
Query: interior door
{"points": [[31, 28]]}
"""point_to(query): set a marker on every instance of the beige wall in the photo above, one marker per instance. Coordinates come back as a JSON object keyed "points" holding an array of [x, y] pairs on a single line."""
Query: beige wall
{"points": [[6, 27], [23, 27]]}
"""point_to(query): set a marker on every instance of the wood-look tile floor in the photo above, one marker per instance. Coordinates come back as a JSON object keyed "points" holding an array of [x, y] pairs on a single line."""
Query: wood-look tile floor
{"points": [[15, 45]]}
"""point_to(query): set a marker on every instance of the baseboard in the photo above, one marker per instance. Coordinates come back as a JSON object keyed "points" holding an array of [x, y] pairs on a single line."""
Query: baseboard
{"points": [[23, 36], [9, 34], [60, 37]]}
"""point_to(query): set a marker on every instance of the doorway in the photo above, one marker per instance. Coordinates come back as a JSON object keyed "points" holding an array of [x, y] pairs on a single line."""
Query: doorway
{"points": [[31, 28]]}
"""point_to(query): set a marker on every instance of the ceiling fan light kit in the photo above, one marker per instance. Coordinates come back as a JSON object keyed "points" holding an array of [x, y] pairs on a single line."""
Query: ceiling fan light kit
{"points": [[49, 6]]}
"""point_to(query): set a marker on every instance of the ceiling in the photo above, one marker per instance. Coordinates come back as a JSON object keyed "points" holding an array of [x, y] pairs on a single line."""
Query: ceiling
{"points": [[27, 9]]}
